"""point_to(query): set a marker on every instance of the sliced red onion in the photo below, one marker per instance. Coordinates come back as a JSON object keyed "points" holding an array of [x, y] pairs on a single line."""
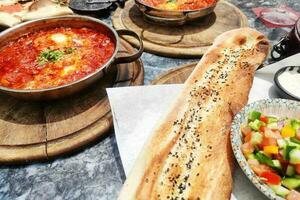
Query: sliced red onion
{"points": [[280, 124], [281, 152]]}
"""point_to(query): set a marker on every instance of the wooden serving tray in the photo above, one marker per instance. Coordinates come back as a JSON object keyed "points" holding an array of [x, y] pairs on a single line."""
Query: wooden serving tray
{"points": [[190, 40], [177, 75], [41, 130]]}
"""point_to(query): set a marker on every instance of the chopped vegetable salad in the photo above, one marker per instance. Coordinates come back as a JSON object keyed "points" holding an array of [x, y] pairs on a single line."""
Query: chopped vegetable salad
{"points": [[271, 146]]}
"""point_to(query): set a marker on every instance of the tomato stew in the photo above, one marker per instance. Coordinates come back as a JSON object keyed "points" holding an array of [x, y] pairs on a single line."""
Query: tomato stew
{"points": [[53, 57], [179, 4]]}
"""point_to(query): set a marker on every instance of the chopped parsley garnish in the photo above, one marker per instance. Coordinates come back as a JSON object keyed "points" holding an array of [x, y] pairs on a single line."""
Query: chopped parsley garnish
{"points": [[172, 1], [49, 55], [70, 50]]}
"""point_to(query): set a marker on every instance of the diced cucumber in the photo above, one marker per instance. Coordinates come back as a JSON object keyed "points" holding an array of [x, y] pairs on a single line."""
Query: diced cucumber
{"points": [[276, 164], [273, 125], [295, 140], [290, 170], [291, 183], [287, 122], [287, 150], [256, 138], [294, 156], [272, 119], [253, 115], [279, 190], [281, 143], [255, 125], [297, 176], [290, 142], [250, 156], [295, 124], [262, 158]]}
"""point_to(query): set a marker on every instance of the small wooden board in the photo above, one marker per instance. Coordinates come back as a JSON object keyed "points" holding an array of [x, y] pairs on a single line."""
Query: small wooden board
{"points": [[42, 130], [190, 40], [177, 75]]}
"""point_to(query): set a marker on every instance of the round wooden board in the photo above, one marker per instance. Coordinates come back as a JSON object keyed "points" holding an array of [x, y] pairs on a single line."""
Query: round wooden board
{"points": [[42, 130], [177, 75], [190, 40]]}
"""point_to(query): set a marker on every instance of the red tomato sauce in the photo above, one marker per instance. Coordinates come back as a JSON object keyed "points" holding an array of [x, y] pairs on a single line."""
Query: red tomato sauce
{"points": [[11, 8], [81, 52], [179, 4]]}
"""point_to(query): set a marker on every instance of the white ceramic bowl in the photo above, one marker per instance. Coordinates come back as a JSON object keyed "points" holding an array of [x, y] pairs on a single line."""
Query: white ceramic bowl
{"points": [[276, 107]]}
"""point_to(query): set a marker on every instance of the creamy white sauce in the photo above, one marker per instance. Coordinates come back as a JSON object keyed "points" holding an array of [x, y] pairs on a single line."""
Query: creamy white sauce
{"points": [[290, 81]]}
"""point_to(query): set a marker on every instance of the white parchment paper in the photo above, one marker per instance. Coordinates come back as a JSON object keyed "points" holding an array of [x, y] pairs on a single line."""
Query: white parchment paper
{"points": [[137, 109]]}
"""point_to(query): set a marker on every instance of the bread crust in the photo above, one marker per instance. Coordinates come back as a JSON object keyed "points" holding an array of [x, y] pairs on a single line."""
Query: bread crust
{"points": [[189, 156], [32, 10]]}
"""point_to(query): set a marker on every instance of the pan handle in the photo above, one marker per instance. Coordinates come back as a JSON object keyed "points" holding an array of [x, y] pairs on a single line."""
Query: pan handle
{"points": [[135, 56], [279, 50], [167, 20]]}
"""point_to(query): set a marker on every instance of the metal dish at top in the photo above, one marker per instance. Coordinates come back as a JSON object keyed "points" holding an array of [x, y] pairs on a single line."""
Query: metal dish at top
{"points": [[12, 34], [172, 17]]}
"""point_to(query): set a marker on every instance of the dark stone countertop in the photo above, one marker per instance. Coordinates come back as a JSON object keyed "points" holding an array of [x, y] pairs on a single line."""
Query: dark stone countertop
{"points": [[96, 172]]}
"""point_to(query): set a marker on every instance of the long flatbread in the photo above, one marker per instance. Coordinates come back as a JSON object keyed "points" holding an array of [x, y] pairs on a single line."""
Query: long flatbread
{"points": [[189, 156]]}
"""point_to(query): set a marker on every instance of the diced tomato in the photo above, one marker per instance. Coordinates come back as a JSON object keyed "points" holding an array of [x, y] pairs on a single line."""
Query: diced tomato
{"points": [[272, 134], [4, 82], [267, 141], [253, 162], [247, 148], [261, 168], [246, 130], [293, 195], [262, 129], [248, 137], [270, 177], [297, 168], [276, 134], [263, 119]]}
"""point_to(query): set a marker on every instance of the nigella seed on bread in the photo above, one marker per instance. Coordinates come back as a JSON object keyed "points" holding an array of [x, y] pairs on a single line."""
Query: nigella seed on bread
{"points": [[189, 155]]}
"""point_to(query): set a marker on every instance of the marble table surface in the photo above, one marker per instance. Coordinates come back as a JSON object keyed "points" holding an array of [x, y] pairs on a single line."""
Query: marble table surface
{"points": [[96, 172]]}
